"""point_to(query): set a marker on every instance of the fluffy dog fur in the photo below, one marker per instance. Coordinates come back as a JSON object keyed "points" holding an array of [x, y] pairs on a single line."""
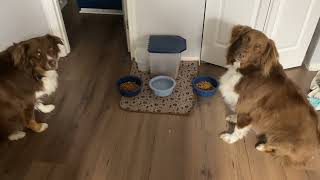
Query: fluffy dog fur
{"points": [[266, 100], [24, 68]]}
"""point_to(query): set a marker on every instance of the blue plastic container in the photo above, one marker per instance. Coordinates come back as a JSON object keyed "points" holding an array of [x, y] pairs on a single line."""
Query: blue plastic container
{"points": [[201, 92], [130, 79], [165, 54], [162, 85], [166, 44]]}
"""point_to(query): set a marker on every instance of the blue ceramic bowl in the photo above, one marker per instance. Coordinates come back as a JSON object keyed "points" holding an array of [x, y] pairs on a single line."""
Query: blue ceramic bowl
{"points": [[130, 79], [162, 85], [201, 92]]}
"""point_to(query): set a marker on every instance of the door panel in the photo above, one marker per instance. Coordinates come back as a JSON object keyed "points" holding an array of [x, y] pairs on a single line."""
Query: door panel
{"points": [[291, 24], [221, 16]]}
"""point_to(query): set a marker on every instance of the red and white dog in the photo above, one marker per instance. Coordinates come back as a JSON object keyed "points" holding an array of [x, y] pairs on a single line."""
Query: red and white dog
{"points": [[27, 73], [264, 99]]}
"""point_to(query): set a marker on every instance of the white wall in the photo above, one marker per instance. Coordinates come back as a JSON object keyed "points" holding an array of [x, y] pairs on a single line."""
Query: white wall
{"points": [[20, 20], [173, 17]]}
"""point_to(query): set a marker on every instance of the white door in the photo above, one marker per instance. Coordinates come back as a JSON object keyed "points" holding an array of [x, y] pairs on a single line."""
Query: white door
{"points": [[221, 16], [291, 24]]}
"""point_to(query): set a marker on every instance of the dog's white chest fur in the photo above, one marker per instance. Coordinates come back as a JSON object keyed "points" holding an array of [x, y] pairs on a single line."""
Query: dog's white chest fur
{"points": [[227, 84], [50, 84]]}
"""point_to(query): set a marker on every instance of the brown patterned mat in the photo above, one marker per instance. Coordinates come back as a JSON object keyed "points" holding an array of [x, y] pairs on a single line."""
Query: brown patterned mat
{"points": [[181, 101]]}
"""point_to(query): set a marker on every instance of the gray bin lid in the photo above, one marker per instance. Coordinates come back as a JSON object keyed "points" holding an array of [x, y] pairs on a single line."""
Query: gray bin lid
{"points": [[166, 44]]}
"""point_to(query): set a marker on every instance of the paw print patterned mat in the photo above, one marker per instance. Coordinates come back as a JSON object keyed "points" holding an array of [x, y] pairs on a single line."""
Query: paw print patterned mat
{"points": [[181, 101]]}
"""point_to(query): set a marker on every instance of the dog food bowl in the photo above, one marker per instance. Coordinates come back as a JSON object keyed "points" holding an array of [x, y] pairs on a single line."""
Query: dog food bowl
{"points": [[131, 92], [162, 85], [203, 92]]}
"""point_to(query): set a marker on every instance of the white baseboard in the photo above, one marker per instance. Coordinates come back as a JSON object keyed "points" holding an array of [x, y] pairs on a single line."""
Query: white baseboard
{"points": [[183, 58], [190, 58], [312, 67], [100, 11]]}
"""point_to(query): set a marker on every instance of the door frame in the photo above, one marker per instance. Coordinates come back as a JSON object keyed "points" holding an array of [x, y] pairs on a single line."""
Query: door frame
{"points": [[52, 11], [128, 8]]}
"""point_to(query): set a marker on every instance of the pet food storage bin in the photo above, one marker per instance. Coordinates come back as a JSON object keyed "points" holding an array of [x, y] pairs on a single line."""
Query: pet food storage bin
{"points": [[142, 59], [165, 54]]}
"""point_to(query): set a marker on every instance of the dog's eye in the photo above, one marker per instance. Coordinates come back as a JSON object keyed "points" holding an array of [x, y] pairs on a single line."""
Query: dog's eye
{"points": [[245, 39], [39, 52]]}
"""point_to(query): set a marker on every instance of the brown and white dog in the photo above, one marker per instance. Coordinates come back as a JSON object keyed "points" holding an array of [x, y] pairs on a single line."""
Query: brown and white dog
{"points": [[266, 100], [27, 73]]}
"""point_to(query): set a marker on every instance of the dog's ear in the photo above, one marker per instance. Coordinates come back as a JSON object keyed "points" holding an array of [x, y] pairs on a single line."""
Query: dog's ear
{"points": [[269, 59], [55, 39], [19, 53], [238, 31]]}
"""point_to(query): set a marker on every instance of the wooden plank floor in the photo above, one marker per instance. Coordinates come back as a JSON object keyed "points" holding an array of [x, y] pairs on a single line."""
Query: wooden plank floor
{"points": [[90, 138]]}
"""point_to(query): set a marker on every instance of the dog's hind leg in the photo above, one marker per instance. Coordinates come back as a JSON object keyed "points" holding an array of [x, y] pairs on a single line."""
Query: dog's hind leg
{"points": [[265, 147], [31, 123], [12, 127], [240, 130], [37, 127], [16, 135]]}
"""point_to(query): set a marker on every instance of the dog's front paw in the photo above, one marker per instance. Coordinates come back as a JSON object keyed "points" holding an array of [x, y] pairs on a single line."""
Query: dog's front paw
{"points": [[16, 136], [48, 108], [228, 138], [43, 127], [45, 108], [232, 118]]}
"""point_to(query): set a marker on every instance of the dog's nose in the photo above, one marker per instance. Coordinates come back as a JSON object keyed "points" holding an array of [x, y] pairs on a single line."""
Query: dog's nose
{"points": [[52, 63], [241, 55]]}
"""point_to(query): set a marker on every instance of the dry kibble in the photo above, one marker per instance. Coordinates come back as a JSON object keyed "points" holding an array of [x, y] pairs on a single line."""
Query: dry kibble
{"points": [[204, 85], [129, 86]]}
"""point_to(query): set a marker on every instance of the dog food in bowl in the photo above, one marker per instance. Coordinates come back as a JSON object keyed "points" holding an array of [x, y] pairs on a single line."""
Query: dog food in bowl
{"points": [[204, 85], [129, 86]]}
